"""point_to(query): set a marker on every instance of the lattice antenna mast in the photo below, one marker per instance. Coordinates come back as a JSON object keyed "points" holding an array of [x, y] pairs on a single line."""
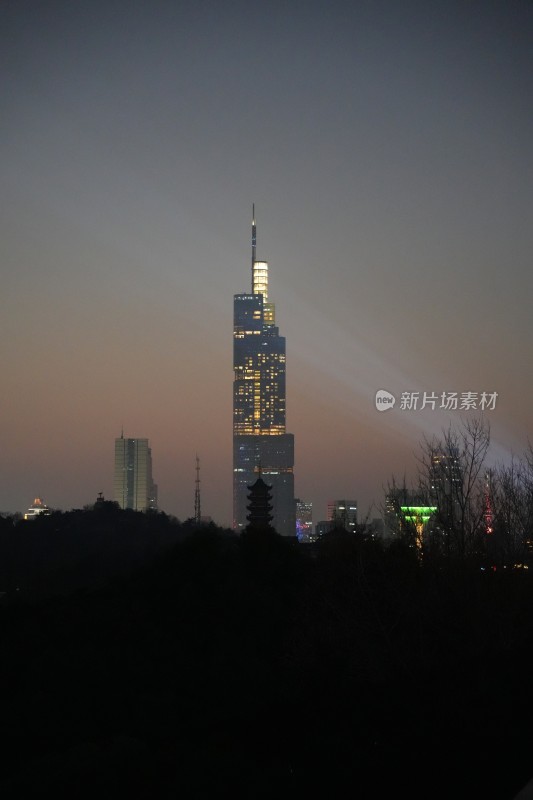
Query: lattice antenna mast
{"points": [[197, 506]]}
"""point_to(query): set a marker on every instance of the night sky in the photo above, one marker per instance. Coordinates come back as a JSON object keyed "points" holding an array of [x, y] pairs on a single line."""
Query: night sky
{"points": [[387, 149]]}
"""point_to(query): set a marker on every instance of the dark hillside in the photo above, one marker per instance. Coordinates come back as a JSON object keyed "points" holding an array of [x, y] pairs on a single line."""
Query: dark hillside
{"points": [[254, 665]]}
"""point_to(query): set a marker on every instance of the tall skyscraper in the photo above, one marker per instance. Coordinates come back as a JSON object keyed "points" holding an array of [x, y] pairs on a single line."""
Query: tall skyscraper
{"points": [[260, 442], [133, 485]]}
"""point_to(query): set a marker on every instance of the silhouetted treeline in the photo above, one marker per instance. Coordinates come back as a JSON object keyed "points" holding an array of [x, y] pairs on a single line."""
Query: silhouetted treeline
{"points": [[252, 664], [64, 551]]}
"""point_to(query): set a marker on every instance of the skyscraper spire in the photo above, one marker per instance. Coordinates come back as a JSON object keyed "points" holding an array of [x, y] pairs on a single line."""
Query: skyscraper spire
{"points": [[254, 243]]}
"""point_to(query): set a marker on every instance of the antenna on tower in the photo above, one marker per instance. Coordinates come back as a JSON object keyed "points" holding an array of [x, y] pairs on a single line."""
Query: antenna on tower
{"points": [[254, 242], [197, 507]]}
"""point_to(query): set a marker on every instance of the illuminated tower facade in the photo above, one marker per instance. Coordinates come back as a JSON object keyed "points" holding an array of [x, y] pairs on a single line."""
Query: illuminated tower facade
{"points": [[261, 444], [304, 520], [133, 484]]}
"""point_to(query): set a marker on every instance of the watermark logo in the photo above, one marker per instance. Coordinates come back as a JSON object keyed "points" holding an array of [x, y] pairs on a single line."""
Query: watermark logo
{"points": [[384, 400], [449, 401]]}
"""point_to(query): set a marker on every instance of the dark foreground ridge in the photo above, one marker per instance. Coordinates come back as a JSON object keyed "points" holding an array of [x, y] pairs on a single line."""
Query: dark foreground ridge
{"points": [[249, 665]]}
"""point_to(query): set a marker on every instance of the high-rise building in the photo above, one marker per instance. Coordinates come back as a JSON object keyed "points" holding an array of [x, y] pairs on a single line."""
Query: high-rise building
{"points": [[344, 513], [260, 441], [304, 520], [445, 474], [133, 485]]}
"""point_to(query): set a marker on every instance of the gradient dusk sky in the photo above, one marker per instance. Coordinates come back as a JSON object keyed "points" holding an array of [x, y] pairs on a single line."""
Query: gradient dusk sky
{"points": [[387, 147]]}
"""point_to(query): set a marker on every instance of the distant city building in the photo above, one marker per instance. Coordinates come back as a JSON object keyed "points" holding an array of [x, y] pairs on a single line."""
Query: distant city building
{"points": [[36, 509], [391, 516], [408, 512], [446, 487], [323, 527], [260, 442], [343, 513], [133, 484], [304, 520]]}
